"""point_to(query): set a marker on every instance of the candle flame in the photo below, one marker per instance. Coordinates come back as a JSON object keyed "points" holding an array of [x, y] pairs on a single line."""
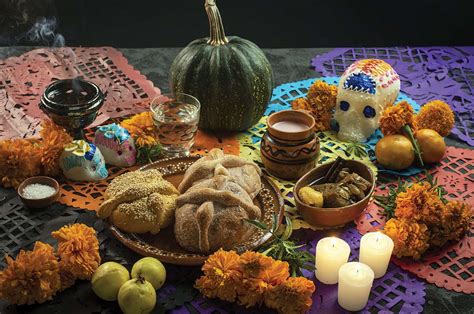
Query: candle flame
{"points": [[333, 242]]}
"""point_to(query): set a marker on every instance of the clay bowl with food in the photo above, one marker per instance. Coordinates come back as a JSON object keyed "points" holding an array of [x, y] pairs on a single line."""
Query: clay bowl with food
{"points": [[336, 216], [31, 190]]}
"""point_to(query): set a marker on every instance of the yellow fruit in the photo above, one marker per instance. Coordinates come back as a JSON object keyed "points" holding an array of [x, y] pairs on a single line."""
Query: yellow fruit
{"points": [[137, 296], [151, 269], [107, 280], [395, 152], [311, 197], [431, 144]]}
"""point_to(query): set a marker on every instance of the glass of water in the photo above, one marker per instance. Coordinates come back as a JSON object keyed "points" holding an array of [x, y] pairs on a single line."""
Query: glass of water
{"points": [[176, 118]]}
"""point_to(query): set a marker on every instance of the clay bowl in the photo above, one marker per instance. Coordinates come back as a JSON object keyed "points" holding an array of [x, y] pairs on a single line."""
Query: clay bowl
{"points": [[40, 202], [338, 216]]}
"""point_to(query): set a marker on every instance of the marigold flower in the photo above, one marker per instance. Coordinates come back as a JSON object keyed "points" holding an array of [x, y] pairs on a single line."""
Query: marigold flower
{"points": [[457, 219], [291, 296], [221, 276], [410, 238], [320, 102], [53, 140], [253, 264], [32, 277], [142, 129], [395, 117], [322, 95], [19, 160], [436, 115], [78, 250], [277, 273], [251, 291], [300, 104], [420, 203]]}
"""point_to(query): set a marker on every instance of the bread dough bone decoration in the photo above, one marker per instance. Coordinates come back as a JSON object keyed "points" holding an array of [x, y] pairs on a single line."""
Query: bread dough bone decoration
{"points": [[218, 195]]}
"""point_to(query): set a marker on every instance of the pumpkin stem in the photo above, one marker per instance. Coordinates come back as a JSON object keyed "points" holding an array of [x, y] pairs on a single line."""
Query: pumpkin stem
{"points": [[217, 36]]}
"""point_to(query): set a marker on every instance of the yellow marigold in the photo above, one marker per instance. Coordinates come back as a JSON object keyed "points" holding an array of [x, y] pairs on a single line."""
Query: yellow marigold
{"points": [[420, 203], [54, 138], [395, 117], [142, 129], [78, 250], [300, 104], [253, 264], [32, 277], [322, 95], [291, 296], [410, 238], [221, 276], [436, 115], [19, 160]]}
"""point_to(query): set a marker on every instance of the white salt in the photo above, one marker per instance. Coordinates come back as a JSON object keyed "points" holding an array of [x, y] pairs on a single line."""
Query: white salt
{"points": [[36, 191]]}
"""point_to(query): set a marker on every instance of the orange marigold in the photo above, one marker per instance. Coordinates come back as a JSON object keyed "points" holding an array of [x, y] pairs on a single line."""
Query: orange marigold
{"points": [[253, 264], [78, 250], [457, 219], [395, 117], [277, 273], [421, 203], [251, 291], [141, 128], [291, 296], [19, 160], [221, 276], [322, 95], [54, 138], [300, 104], [410, 238], [436, 115], [33, 277]]}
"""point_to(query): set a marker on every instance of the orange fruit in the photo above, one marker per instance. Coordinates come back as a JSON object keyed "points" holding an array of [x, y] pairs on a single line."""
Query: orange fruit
{"points": [[431, 144], [395, 152]]}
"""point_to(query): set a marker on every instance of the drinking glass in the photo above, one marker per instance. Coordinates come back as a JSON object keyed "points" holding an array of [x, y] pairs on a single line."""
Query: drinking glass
{"points": [[176, 118]]}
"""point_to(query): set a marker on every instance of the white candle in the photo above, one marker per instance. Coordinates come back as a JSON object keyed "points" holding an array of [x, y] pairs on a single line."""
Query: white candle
{"points": [[331, 253], [355, 282], [375, 250]]}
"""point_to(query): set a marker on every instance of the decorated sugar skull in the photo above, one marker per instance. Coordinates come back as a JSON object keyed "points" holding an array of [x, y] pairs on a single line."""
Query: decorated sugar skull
{"points": [[82, 161], [116, 145], [365, 89]]}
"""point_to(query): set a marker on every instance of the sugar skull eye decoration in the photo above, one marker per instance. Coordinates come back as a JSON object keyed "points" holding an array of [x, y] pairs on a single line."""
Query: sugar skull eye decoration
{"points": [[344, 105], [369, 112]]}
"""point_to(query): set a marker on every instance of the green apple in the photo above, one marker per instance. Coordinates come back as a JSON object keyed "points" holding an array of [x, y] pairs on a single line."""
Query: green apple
{"points": [[151, 269], [107, 280], [137, 296]]}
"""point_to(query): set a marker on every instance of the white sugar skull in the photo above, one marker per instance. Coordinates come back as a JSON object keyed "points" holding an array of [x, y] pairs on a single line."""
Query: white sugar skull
{"points": [[116, 145], [82, 161], [365, 89]]}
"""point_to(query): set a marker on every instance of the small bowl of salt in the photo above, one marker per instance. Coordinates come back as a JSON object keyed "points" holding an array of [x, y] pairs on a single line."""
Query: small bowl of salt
{"points": [[39, 192]]}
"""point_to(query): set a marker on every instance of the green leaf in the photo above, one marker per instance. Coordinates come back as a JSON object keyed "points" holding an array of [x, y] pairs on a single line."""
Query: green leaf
{"points": [[257, 223]]}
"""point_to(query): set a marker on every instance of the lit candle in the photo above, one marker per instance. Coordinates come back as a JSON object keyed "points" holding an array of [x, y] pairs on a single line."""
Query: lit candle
{"points": [[331, 253], [375, 250], [355, 282]]}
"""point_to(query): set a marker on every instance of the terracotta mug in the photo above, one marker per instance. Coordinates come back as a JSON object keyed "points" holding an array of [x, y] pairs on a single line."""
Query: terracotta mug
{"points": [[290, 147]]}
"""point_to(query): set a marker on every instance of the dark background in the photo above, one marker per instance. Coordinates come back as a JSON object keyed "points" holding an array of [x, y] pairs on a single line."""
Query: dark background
{"points": [[269, 23]]}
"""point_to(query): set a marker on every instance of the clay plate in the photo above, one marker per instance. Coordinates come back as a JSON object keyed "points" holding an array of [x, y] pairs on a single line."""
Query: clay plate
{"points": [[164, 246]]}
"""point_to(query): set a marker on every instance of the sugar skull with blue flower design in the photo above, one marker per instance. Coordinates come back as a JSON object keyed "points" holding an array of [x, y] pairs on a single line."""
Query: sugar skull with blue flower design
{"points": [[83, 161], [365, 89]]}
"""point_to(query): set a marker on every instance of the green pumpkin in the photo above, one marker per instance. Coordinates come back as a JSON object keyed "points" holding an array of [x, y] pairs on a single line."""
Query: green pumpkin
{"points": [[230, 76]]}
